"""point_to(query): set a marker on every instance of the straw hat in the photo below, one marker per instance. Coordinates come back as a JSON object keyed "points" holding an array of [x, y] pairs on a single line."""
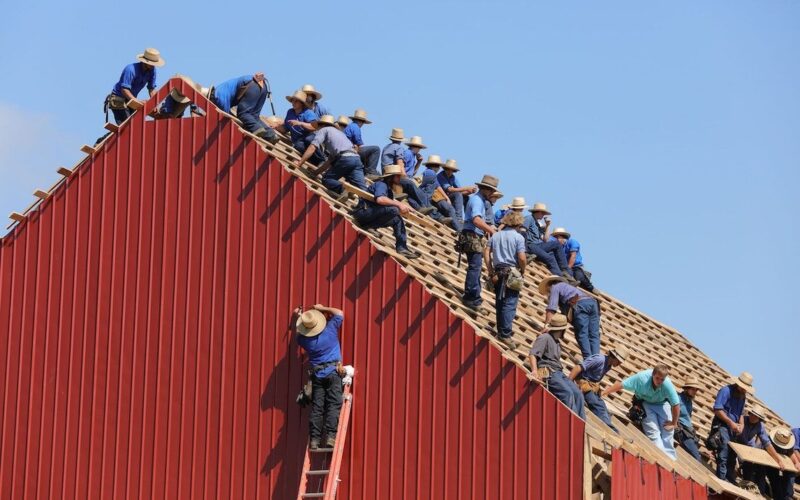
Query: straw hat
{"points": [[392, 169], [397, 135], [311, 323], [326, 120], [151, 57], [360, 115], [297, 96], [416, 142], [517, 203], [620, 353], [757, 411], [311, 91], [343, 120], [560, 231], [558, 322], [496, 195], [545, 284], [274, 121], [204, 91], [745, 381], [540, 207], [693, 382], [489, 182], [782, 438], [178, 97], [451, 165], [434, 160]]}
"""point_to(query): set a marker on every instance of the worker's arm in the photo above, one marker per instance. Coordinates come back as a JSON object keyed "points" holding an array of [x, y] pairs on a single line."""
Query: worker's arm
{"points": [[309, 152], [548, 315], [128, 94], [481, 224], [572, 257], [733, 426], [152, 92], [575, 372], [388, 202], [774, 455], [298, 123], [522, 260], [545, 233], [328, 310], [796, 459], [616, 387], [676, 411], [534, 375], [487, 257]]}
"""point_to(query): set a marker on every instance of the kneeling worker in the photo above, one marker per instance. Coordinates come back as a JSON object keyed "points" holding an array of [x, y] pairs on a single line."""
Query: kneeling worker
{"points": [[590, 373]]}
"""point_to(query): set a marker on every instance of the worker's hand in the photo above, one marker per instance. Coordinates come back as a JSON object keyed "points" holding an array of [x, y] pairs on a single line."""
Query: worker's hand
{"points": [[735, 428], [544, 329], [781, 466], [340, 369], [405, 208], [318, 307], [299, 163], [547, 221], [534, 378], [298, 311], [669, 425], [419, 158], [294, 123], [473, 190]]}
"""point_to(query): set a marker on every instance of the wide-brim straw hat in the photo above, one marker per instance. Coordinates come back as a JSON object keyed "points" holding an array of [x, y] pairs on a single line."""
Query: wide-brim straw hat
{"points": [[392, 169], [489, 182], [326, 120], [783, 438], [540, 207], [558, 322], [745, 381], [496, 195], [434, 160], [693, 382], [152, 57], [397, 135], [451, 165], [178, 97], [343, 120], [360, 115], [311, 91], [416, 142], [757, 411], [311, 323], [620, 353], [517, 203], [560, 231], [299, 96], [545, 284]]}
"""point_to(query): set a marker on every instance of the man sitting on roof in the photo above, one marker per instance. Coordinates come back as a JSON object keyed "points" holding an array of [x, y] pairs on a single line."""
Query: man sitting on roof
{"points": [[685, 433], [299, 123], [661, 405], [583, 308], [505, 261], [471, 240], [754, 434], [572, 251], [439, 200], [728, 422], [342, 157], [588, 376], [457, 194], [537, 244], [395, 153], [385, 211], [545, 361], [370, 155], [133, 79], [781, 481], [312, 100], [248, 94]]}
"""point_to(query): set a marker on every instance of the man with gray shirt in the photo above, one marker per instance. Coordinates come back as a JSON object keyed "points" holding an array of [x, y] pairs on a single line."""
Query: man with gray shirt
{"points": [[340, 154]]}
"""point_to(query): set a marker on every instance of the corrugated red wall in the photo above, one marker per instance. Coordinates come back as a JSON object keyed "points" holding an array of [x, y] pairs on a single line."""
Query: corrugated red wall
{"points": [[147, 352], [635, 479]]}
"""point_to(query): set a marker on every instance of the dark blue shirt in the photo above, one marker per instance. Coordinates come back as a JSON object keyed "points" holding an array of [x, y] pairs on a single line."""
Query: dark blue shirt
{"points": [[323, 348], [754, 435], [447, 182], [732, 406], [297, 132], [687, 407], [498, 216], [595, 367], [135, 78], [429, 182], [796, 432], [353, 132], [225, 92], [533, 233]]}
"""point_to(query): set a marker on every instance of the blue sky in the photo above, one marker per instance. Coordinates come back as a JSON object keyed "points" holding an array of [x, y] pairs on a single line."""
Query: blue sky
{"points": [[664, 135]]}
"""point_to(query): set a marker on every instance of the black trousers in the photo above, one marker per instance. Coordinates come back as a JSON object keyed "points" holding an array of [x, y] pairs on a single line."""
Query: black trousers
{"points": [[583, 280], [326, 403]]}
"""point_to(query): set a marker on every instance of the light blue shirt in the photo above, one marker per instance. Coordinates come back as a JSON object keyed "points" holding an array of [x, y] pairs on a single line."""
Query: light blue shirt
{"points": [[391, 153], [476, 207], [505, 245], [641, 384]]}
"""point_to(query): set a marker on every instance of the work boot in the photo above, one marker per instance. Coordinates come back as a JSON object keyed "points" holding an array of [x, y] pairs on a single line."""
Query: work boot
{"points": [[330, 442], [314, 445], [400, 197], [343, 197], [447, 221], [426, 210], [408, 254], [509, 342], [572, 281]]}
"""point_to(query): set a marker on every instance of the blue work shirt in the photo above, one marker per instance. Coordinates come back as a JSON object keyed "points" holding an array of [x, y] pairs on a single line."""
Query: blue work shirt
{"points": [[533, 232], [570, 246], [796, 432], [353, 132], [429, 182], [296, 132], [732, 406], [134, 78], [320, 109], [323, 348], [225, 92], [687, 407], [476, 207], [410, 160], [498, 216], [505, 245], [595, 367], [560, 295], [447, 182], [391, 153], [641, 384], [754, 435]]}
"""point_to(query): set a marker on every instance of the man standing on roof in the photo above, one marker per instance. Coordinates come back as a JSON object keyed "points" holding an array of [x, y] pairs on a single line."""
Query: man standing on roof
{"points": [[318, 335], [781, 482], [370, 155], [505, 260], [493, 198], [685, 433], [728, 422], [754, 434], [133, 79], [471, 240], [537, 244], [577, 304], [457, 194], [312, 100], [247, 93], [588, 376], [299, 123], [546, 368], [572, 251], [395, 153], [439, 200], [661, 405], [385, 211], [342, 157]]}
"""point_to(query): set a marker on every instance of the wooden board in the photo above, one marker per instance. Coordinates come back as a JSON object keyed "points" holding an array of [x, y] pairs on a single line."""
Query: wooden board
{"points": [[761, 457]]}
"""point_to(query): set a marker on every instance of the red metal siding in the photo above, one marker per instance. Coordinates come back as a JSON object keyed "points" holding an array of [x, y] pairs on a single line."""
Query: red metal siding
{"points": [[635, 479], [147, 352]]}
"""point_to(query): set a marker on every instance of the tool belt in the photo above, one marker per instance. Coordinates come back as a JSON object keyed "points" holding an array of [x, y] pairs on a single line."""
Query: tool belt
{"points": [[543, 372], [469, 242], [587, 386], [682, 433], [636, 413], [511, 275], [114, 101], [438, 195], [318, 368]]}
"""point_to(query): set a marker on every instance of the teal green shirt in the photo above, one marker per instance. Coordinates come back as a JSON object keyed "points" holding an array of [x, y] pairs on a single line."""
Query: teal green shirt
{"points": [[641, 384]]}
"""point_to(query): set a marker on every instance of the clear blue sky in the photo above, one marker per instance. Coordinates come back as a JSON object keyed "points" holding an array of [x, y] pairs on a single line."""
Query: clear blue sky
{"points": [[664, 135]]}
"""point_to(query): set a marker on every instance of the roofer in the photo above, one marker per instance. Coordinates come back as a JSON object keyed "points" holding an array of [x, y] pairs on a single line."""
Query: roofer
{"points": [[588, 376], [247, 93], [781, 482], [685, 434], [536, 242], [471, 241], [545, 361], [133, 79], [728, 422], [318, 335], [299, 123], [754, 434], [661, 405], [370, 155], [457, 194], [517, 205], [342, 157], [438, 199], [385, 211], [312, 99], [395, 153], [505, 261], [493, 198], [579, 306], [572, 252]]}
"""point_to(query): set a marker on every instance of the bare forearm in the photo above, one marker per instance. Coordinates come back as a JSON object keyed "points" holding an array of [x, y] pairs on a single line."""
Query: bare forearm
{"points": [[481, 224], [128, 94], [534, 366], [720, 414], [572, 256], [387, 202], [523, 262], [330, 310], [575, 372], [616, 387], [308, 153], [676, 412], [774, 455]]}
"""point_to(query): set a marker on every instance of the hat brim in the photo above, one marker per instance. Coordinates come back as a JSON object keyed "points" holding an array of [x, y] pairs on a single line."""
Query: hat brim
{"points": [[788, 446], [692, 386], [312, 332], [749, 389], [512, 207], [158, 64], [557, 328], [356, 119], [546, 283], [565, 235], [616, 356], [487, 186], [397, 139], [412, 145], [756, 414], [316, 95], [532, 210]]}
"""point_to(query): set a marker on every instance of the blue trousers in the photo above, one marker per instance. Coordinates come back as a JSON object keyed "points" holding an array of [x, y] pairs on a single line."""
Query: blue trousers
{"points": [[370, 155], [350, 168], [598, 407], [689, 444], [457, 200], [505, 307], [373, 216], [472, 284], [655, 415], [586, 321], [416, 197], [446, 210], [551, 253], [781, 483], [120, 115], [726, 459], [565, 390]]}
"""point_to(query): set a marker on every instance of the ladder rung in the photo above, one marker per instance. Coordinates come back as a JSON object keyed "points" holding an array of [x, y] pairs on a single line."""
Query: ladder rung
{"points": [[322, 450], [318, 472], [313, 495]]}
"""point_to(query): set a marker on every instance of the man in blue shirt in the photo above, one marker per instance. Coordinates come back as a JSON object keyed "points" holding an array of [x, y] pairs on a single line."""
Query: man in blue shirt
{"points": [[312, 99], [395, 153], [583, 308], [133, 79], [537, 242], [754, 434], [572, 251], [370, 155], [248, 94], [445, 213], [729, 421], [318, 335], [471, 240], [457, 194], [685, 434], [588, 376], [782, 481], [299, 123], [505, 256], [343, 161], [384, 210]]}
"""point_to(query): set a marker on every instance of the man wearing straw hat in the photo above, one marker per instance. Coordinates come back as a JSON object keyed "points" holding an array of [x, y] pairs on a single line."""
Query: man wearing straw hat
{"points": [[445, 213], [318, 335], [385, 211], [133, 79], [754, 434], [728, 421], [546, 368], [782, 482], [572, 252], [342, 157], [457, 194], [590, 373], [517, 205], [395, 153], [299, 123], [370, 155], [551, 253], [312, 100], [471, 241], [685, 433], [247, 94], [577, 304]]}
